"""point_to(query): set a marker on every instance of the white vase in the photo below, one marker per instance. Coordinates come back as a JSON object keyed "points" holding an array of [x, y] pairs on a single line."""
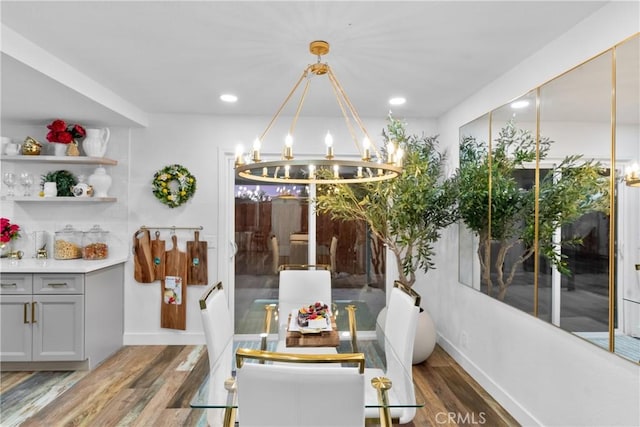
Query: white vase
{"points": [[95, 143], [425, 339], [100, 182], [50, 189], [60, 149]]}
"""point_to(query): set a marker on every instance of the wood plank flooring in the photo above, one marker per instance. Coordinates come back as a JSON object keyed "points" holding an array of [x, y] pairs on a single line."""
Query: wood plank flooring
{"points": [[153, 385]]}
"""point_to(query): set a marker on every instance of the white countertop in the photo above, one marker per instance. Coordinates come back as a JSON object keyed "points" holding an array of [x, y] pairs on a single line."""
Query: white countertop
{"points": [[32, 265]]}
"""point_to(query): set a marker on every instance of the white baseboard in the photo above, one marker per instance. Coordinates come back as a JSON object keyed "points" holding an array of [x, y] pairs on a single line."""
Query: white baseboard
{"points": [[520, 413], [164, 338]]}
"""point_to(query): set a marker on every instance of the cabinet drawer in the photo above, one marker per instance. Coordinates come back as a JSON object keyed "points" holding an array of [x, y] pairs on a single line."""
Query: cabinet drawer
{"points": [[58, 284], [16, 284]]}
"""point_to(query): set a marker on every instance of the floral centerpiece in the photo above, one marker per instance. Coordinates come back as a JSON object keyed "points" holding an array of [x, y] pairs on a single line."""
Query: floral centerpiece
{"points": [[61, 133], [9, 232]]}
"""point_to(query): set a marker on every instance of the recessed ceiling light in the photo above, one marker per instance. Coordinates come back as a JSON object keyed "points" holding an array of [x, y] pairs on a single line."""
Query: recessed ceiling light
{"points": [[227, 97], [519, 104], [398, 100]]}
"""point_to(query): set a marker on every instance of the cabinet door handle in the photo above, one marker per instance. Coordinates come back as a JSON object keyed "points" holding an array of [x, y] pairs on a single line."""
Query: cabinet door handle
{"points": [[8, 285], [33, 312], [24, 313], [58, 285]]}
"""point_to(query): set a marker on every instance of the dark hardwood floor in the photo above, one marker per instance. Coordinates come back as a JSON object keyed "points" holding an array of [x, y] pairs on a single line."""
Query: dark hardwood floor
{"points": [[153, 385]]}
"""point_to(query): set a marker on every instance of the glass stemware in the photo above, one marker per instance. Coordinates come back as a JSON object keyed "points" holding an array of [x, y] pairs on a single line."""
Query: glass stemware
{"points": [[26, 180], [9, 179]]}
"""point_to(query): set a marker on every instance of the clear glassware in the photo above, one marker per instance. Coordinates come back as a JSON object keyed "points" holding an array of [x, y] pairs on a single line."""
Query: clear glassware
{"points": [[9, 179], [26, 180]]}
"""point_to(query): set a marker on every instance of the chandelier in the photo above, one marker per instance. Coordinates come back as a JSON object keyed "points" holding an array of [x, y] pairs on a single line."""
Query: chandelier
{"points": [[632, 176], [372, 165]]}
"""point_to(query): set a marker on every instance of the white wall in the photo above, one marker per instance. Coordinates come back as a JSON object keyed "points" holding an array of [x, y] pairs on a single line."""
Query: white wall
{"points": [[205, 145], [541, 374]]}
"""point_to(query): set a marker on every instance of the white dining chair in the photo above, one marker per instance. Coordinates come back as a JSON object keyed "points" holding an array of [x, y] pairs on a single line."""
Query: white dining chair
{"points": [[399, 330], [298, 288], [285, 391], [218, 333]]}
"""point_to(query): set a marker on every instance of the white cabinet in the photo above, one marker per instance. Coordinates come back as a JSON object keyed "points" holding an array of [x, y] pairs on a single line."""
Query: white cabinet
{"points": [[45, 323], [60, 320], [15, 328]]}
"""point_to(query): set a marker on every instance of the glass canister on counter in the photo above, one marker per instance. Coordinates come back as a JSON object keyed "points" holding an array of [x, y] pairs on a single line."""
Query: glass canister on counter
{"points": [[95, 243], [67, 243]]}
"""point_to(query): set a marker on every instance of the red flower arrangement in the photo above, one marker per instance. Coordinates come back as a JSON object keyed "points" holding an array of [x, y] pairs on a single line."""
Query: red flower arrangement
{"points": [[61, 133], [9, 231]]}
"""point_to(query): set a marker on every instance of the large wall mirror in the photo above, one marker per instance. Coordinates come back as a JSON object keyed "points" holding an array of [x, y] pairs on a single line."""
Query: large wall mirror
{"points": [[549, 223]]}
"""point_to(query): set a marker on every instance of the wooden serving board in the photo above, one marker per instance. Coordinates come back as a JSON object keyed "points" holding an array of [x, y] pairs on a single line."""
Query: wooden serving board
{"points": [[158, 249], [197, 260], [142, 260], [321, 339], [173, 311]]}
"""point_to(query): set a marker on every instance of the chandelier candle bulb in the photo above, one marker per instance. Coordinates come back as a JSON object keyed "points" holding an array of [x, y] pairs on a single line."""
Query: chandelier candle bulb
{"points": [[366, 155], [256, 151], [265, 172], [288, 147], [632, 175], [336, 170], [312, 171], [239, 157], [286, 171], [328, 140], [399, 156], [359, 171], [391, 148]]}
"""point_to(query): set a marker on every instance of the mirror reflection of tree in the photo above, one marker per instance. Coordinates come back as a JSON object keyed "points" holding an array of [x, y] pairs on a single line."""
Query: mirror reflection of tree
{"points": [[500, 208]]}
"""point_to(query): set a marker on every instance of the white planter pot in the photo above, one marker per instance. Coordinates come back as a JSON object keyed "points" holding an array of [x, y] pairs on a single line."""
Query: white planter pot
{"points": [[425, 340]]}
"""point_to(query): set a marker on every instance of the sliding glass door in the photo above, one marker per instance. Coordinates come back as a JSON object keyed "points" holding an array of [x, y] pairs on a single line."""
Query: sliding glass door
{"points": [[272, 227]]}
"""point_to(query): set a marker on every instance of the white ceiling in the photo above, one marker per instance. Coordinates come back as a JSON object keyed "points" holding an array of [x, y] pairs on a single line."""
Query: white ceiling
{"points": [[178, 57]]}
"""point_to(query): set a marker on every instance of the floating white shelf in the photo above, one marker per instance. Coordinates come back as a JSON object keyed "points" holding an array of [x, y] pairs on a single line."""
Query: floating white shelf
{"points": [[84, 160], [61, 199]]}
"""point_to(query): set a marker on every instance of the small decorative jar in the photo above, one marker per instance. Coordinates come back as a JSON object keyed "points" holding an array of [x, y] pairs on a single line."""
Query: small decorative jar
{"points": [[95, 244], [100, 181], [67, 243]]}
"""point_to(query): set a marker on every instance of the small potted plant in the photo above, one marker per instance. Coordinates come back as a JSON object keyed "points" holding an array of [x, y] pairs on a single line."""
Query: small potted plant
{"points": [[66, 137]]}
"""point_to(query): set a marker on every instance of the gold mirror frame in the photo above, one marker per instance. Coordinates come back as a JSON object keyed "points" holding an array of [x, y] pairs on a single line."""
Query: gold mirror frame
{"points": [[623, 70]]}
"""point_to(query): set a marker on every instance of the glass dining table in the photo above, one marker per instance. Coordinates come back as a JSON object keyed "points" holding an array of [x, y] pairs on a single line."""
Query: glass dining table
{"points": [[389, 387]]}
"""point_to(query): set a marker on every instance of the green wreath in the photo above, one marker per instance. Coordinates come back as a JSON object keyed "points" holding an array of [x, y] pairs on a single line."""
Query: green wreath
{"points": [[170, 196]]}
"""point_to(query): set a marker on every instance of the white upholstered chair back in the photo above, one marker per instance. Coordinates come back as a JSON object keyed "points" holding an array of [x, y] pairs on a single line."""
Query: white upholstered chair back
{"points": [[218, 333], [281, 395], [300, 287], [400, 330]]}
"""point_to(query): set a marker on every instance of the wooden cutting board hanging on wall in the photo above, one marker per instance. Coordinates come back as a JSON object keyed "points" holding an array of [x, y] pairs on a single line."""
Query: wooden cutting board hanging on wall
{"points": [[142, 260], [158, 256], [173, 311], [197, 260]]}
